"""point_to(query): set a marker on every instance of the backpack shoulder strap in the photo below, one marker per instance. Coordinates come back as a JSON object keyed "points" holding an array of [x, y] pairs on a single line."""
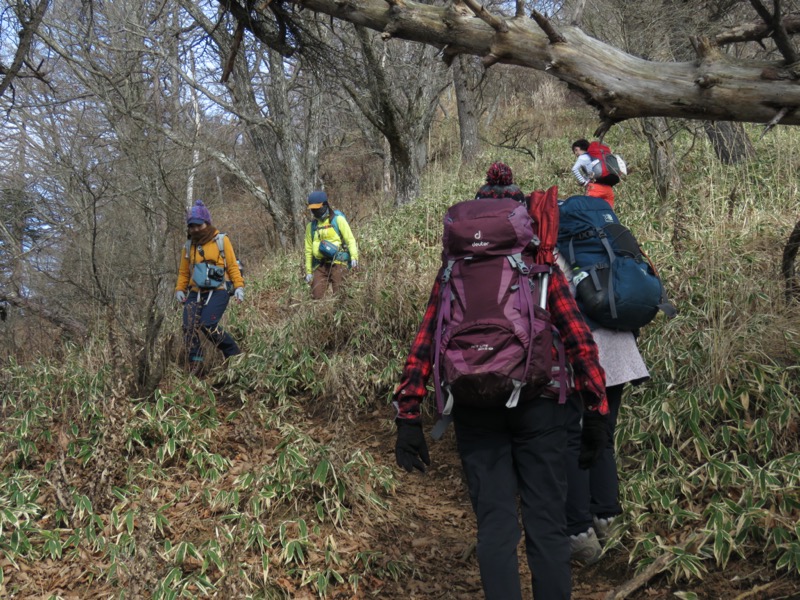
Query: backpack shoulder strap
{"points": [[336, 215], [187, 248], [220, 237]]}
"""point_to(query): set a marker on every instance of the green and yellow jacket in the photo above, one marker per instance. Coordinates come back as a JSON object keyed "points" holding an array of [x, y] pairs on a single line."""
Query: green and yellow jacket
{"points": [[326, 231]]}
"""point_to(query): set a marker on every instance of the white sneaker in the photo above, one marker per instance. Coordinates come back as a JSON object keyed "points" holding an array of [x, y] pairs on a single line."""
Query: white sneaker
{"points": [[585, 547], [602, 527]]}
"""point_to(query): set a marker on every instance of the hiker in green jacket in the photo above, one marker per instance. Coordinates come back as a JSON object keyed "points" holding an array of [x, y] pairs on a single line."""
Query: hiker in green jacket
{"points": [[330, 246]]}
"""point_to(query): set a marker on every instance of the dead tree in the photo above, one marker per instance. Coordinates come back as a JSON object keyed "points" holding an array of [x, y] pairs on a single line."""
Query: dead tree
{"points": [[713, 87]]}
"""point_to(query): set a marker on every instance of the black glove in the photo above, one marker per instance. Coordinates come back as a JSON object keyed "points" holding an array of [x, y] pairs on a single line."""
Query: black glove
{"points": [[411, 447], [594, 438]]}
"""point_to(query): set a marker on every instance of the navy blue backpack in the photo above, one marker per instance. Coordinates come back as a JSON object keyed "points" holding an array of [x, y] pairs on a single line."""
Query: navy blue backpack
{"points": [[616, 286]]}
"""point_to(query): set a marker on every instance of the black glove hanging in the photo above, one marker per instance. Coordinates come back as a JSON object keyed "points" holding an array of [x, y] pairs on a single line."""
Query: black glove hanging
{"points": [[411, 450], [594, 438]]}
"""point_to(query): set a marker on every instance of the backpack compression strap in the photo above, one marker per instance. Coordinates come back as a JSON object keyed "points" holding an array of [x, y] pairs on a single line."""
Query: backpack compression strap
{"points": [[603, 236], [526, 300], [611, 257], [444, 307], [445, 417]]}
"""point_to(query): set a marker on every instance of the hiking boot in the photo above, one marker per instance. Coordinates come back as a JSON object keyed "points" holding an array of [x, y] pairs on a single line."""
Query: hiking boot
{"points": [[585, 547], [603, 527]]}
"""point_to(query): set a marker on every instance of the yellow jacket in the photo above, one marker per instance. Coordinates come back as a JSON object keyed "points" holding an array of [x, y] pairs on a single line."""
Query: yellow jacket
{"points": [[325, 231], [212, 255]]}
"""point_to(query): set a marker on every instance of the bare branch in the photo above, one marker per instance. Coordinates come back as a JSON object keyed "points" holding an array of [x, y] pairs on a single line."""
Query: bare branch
{"points": [[547, 27], [495, 22], [29, 30], [757, 31], [237, 42], [264, 30], [709, 54], [619, 85], [577, 15], [704, 48], [779, 34], [69, 325], [601, 131], [634, 584], [781, 113], [489, 60]]}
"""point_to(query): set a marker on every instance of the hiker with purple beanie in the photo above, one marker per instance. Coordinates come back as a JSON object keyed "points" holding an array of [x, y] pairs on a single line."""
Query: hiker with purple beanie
{"points": [[514, 450], [208, 265]]}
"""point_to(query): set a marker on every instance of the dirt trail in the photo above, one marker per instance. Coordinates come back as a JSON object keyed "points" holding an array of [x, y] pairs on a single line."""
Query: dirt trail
{"points": [[435, 526]]}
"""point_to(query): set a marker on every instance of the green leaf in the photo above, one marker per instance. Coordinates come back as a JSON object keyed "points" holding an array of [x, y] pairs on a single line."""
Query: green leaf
{"points": [[129, 522], [321, 472]]}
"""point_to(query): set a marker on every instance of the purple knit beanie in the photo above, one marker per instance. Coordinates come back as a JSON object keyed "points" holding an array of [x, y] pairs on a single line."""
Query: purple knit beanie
{"points": [[198, 214]]}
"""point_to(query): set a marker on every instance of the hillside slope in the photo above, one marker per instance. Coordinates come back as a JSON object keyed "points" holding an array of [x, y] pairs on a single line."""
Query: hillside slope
{"points": [[274, 476]]}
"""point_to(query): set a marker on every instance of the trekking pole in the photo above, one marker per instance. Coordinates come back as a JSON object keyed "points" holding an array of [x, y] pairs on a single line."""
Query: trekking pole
{"points": [[543, 282]]}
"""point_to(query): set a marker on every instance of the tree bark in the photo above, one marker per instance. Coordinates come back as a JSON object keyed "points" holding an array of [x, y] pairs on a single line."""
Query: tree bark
{"points": [[788, 265], [730, 141], [405, 173], [467, 110], [662, 164]]}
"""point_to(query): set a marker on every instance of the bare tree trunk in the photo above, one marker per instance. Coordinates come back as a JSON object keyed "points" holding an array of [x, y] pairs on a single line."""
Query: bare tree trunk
{"points": [[150, 362], [467, 109], [276, 157], [730, 141], [195, 151], [276, 141], [387, 170], [662, 163], [403, 116], [788, 262], [406, 175]]}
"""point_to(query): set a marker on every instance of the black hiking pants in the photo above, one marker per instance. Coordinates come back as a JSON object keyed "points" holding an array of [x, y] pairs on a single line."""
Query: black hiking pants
{"points": [[509, 454], [593, 492]]}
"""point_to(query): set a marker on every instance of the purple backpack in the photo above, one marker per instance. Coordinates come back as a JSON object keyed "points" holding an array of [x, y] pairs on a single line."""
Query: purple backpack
{"points": [[493, 343]]}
